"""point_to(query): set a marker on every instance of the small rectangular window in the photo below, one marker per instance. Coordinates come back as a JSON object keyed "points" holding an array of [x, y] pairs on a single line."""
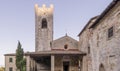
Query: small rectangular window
{"points": [[10, 60], [10, 69], [110, 32], [88, 50]]}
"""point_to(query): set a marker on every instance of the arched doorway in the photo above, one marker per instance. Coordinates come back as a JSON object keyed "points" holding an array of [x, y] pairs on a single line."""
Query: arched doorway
{"points": [[101, 67]]}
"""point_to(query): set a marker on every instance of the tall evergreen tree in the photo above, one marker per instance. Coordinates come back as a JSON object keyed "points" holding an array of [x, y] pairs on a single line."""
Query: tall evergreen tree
{"points": [[20, 61]]}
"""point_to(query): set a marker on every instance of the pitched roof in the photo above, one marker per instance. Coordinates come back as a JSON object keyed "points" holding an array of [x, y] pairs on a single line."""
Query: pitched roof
{"points": [[64, 37], [10, 54], [58, 52], [110, 6], [87, 24], [55, 52]]}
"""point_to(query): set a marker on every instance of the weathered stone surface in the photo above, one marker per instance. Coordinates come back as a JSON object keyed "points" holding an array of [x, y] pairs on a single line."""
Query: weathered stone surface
{"points": [[66, 40], [9, 64], [106, 50], [43, 36], [102, 53], [103, 50]]}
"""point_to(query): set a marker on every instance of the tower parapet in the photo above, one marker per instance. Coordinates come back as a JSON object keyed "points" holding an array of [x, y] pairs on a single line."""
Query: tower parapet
{"points": [[44, 9]]}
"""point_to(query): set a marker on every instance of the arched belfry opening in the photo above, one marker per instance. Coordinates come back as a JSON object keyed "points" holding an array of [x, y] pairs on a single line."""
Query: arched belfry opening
{"points": [[44, 23], [101, 67]]}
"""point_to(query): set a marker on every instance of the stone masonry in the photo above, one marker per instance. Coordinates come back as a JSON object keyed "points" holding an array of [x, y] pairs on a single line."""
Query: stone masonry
{"points": [[104, 52], [43, 36], [98, 48]]}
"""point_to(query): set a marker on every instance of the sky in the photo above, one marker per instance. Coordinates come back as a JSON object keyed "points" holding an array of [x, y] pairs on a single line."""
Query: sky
{"points": [[17, 21]]}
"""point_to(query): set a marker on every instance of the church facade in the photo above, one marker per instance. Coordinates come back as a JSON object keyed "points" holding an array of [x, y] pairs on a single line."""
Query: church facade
{"points": [[98, 48]]}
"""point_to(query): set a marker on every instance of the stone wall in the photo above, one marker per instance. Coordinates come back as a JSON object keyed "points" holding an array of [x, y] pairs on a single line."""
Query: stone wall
{"points": [[106, 50], [10, 64], [73, 62], [43, 36], [66, 40], [84, 45], [58, 63]]}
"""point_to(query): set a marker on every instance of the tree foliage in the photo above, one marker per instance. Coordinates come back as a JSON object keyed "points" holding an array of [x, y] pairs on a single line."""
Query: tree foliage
{"points": [[20, 60]]}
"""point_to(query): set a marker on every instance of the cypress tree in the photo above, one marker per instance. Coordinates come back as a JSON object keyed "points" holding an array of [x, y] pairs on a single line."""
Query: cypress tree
{"points": [[20, 61]]}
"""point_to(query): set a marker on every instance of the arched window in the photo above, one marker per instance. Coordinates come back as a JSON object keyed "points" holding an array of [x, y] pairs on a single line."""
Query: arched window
{"points": [[44, 23], [101, 67]]}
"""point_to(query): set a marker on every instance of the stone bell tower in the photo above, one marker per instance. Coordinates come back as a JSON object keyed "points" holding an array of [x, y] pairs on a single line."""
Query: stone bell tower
{"points": [[43, 28]]}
